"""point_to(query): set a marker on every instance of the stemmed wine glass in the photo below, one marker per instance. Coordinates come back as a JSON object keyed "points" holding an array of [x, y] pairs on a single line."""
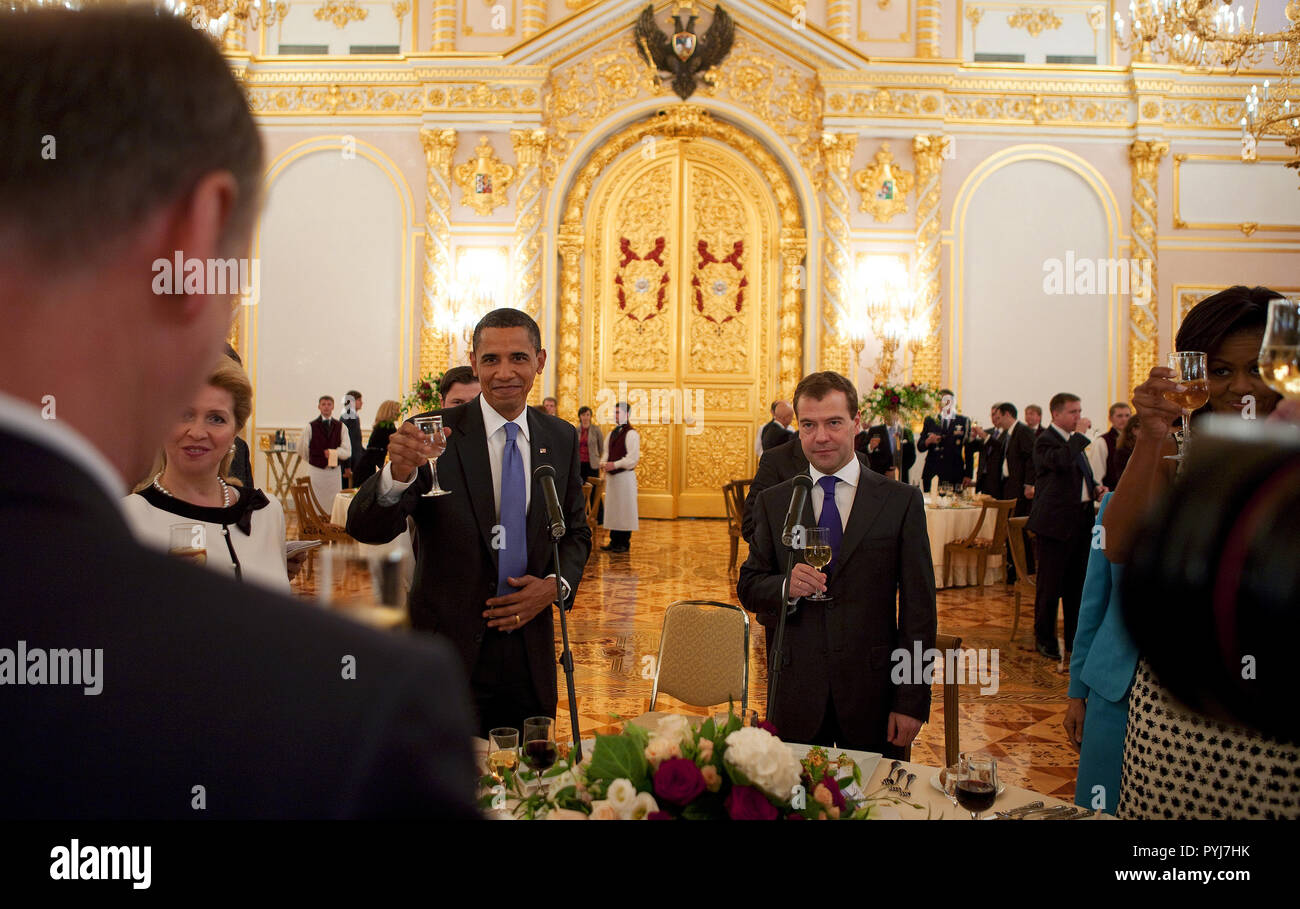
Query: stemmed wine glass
{"points": [[539, 746], [432, 426], [1279, 356], [503, 751], [977, 784], [817, 552], [1192, 371]]}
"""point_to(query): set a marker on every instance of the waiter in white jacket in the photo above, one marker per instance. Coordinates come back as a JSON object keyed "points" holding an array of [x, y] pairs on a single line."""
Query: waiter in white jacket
{"points": [[323, 444], [622, 454]]}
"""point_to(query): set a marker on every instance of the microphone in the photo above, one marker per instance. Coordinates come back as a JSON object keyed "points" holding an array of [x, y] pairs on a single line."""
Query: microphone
{"points": [[802, 486], [546, 476]]}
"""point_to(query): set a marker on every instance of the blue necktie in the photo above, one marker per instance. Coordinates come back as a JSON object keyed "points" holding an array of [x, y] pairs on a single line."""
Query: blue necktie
{"points": [[512, 560], [830, 518], [1086, 468]]}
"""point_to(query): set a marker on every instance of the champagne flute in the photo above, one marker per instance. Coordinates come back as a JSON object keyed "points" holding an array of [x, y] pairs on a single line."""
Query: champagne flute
{"points": [[187, 541], [503, 751], [432, 426], [817, 553], [977, 785], [1190, 370], [539, 746], [1279, 356]]}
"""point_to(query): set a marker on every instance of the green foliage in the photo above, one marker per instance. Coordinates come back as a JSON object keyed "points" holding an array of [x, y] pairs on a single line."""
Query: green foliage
{"points": [[424, 395], [912, 401], [620, 756]]}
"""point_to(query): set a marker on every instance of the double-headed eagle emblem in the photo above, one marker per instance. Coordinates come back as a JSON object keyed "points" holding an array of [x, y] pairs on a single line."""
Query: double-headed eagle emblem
{"points": [[683, 55]]}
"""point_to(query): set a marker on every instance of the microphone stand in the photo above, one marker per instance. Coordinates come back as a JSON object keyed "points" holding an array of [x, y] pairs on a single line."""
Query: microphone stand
{"points": [[566, 657], [774, 676]]}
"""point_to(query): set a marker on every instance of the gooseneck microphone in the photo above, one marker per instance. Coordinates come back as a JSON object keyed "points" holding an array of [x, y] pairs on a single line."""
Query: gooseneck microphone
{"points": [[802, 486], [546, 476]]}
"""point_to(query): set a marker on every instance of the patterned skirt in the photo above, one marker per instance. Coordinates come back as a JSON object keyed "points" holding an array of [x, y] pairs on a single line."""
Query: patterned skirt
{"points": [[1181, 764]]}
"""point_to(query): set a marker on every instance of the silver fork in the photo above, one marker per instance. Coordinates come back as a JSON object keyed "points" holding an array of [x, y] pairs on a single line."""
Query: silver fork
{"points": [[1017, 812]]}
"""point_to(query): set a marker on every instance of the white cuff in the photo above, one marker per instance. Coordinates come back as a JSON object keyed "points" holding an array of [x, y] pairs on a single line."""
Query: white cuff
{"points": [[390, 490]]}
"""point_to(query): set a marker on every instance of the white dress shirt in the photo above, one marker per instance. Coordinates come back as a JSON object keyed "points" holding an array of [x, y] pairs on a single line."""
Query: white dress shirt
{"points": [[24, 419], [1083, 492], [845, 490]]}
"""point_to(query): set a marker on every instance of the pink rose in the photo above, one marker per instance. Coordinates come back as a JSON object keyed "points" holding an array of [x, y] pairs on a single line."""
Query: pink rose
{"points": [[745, 803], [712, 779], [678, 781], [706, 750]]}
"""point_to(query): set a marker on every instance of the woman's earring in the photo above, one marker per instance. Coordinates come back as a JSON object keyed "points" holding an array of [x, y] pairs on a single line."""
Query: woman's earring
{"points": [[232, 447]]}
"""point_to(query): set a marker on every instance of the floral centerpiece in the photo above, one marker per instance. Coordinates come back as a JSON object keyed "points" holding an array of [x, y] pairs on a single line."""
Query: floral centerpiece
{"points": [[912, 402], [714, 771], [424, 395]]}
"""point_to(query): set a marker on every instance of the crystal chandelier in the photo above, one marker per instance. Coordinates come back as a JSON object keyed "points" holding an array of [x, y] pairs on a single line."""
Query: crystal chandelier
{"points": [[1210, 33]]}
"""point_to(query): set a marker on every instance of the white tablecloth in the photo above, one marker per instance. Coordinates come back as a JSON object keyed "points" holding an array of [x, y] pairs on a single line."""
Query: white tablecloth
{"points": [[339, 510], [947, 524]]}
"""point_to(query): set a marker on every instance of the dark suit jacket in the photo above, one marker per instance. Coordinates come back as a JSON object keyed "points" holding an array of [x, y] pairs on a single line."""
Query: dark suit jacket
{"points": [[241, 467], [371, 460], [777, 464], [456, 565], [988, 478], [883, 589], [948, 458], [1058, 485], [1019, 454], [206, 682], [775, 434], [881, 460]]}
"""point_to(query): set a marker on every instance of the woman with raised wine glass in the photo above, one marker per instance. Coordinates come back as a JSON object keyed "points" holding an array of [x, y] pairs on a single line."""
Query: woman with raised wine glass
{"points": [[242, 529]]}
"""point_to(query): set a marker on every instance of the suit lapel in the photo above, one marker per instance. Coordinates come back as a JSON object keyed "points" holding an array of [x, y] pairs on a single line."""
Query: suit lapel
{"points": [[867, 502], [542, 452], [471, 449]]}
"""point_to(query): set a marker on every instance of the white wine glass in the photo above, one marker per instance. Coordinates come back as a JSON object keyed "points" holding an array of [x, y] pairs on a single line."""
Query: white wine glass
{"points": [[432, 427], [503, 752], [1279, 356], [1191, 370], [817, 553]]}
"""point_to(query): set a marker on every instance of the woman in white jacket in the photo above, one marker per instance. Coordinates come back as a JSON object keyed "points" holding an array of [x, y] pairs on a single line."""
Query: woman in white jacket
{"points": [[621, 457]]}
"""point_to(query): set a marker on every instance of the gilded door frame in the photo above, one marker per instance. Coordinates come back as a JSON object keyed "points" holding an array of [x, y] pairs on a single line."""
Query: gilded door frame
{"points": [[679, 121]]}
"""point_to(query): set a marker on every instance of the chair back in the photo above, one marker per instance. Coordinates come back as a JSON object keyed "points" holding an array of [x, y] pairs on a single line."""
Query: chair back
{"points": [[733, 495], [951, 717], [1016, 536], [1004, 508], [594, 489], [310, 526], [703, 654]]}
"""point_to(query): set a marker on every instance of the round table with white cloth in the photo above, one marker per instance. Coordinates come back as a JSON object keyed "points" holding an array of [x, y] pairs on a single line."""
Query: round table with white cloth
{"points": [[946, 524], [339, 510]]}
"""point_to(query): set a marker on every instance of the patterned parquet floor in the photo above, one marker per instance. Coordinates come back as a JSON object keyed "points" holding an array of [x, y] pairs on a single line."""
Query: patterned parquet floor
{"points": [[615, 625]]}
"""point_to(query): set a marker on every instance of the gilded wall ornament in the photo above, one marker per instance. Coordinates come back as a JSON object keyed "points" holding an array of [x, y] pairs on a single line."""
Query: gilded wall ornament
{"points": [[684, 56], [884, 186], [484, 179], [1034, 21], [1144, 157], [340, 12]]}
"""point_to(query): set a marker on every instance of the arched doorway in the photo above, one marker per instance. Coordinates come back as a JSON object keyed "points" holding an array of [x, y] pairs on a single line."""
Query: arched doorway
{"points": [[685, 262]]}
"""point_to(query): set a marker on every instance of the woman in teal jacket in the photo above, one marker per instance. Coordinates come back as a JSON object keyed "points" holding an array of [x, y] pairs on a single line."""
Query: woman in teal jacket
{"points": [[1101, 674]]}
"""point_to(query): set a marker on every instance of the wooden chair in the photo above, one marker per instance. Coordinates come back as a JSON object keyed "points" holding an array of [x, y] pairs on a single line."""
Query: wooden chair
{"points": [[951, 726], [1026, 583], [733, 495], [703, 654], [313, 522], [594, 491], [981, 547]]}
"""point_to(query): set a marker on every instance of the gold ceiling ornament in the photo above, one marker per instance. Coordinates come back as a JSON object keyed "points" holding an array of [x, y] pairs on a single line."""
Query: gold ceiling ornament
{"points": [[340, 12], [400, 9], [484, 179], [439, 149], [1034, 21], [928, 154], [1144, 158], [884, 187], [231, 19]]}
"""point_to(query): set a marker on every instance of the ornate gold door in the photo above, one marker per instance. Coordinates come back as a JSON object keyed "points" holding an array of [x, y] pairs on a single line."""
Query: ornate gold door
{"points": [[680, 315]]}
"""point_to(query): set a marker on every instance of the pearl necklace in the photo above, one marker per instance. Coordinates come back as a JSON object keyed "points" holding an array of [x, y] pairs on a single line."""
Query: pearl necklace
{"points": [[225, 490]]}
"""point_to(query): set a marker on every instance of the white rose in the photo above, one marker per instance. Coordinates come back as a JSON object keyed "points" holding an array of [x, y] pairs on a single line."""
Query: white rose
{"points": [[674, 727], [622, 795], [643, 805], [660, 749], [604, 810], [764, 760]]}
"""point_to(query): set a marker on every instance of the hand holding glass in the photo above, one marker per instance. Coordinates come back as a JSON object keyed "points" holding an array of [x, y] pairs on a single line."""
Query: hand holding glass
{"points": [[432, 427], [817, 553], [1279, 356], [1191, 370]]}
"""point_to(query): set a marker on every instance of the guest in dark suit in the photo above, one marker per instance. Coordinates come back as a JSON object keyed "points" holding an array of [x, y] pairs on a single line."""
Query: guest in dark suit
{"points": [[944, 439], [1018, 458], [352, 425], [483, 575], [839, 655], [208, 698], [776, 466], [458, 385], [777, 430], [989, 443], [1034, 419], [893, 451], [376, 451], [1062, 518]]}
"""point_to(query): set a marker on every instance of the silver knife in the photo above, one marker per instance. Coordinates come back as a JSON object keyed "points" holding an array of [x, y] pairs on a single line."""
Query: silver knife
{"points": [[1044, 814], [1016, 812]]}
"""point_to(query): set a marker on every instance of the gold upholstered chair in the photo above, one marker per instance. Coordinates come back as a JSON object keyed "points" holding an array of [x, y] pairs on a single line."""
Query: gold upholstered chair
{"points": [[703, 654]]}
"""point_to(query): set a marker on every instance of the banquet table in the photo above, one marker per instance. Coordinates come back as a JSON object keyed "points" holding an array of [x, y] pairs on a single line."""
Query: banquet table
{"points": [[339, 510], [945, 524]]}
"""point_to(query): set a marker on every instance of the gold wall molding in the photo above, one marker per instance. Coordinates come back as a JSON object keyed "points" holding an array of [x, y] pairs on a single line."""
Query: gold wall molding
{"points": [[483, 179], [526, 250], [481, 96], [837, 279], [533, 21], [468, 31], [1144, 339], [1247, 228], [904, 37], [439, 150], [678, 121], [334, 98], [340, 12], [839, 21], [927, 155], [1035, 21], [929, 19], [444, 25], [882, 197]]}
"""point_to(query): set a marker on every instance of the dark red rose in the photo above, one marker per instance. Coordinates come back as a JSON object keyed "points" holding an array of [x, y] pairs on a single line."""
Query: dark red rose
{"points": [[764, 724], [795, 816], [678, 781], [877, 385], [425, 386], [658, 816], [893, 399], [745, 803], [837, 797]]}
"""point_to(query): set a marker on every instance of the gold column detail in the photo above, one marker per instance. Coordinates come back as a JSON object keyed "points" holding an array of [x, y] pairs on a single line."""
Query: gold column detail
{"points": [[839, 15], [533, 18], [927, 153], [1144, 157], [570, 245], [439, 148], [794, 249], [928, 17], [530, 146], [444, 25], [836, 263]]}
